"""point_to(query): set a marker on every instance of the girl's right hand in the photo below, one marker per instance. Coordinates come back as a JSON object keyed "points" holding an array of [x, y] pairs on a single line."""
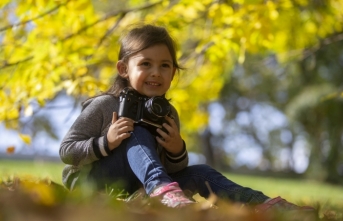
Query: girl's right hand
{"points": [[119, 130]]}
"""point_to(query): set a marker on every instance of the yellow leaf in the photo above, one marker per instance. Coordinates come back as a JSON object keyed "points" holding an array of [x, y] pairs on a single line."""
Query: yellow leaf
{"points": [[80, 5], [12, 113], [81, 71], [26, 138]]}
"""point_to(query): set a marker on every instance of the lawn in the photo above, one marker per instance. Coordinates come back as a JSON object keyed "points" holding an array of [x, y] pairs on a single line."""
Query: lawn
{"points": [[329, 197], [294, 190], [36, 168], [291, 189]]}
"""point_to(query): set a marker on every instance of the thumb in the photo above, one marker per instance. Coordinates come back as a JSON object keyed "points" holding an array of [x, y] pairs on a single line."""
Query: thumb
{"points": [[114, 117]]}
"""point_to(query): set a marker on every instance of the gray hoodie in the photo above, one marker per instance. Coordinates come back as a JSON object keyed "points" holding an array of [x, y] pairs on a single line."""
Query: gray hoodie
{"points": [[85, 141]]}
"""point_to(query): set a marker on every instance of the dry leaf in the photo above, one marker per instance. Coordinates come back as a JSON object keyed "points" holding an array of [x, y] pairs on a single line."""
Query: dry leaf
{"points": [[10, 149]]}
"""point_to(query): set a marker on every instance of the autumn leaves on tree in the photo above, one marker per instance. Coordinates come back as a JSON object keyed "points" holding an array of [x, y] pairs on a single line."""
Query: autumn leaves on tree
{"points": [[51, 46]]}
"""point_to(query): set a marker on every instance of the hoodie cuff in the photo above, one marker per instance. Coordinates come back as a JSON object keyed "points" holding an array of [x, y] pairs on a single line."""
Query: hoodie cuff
{"points": [[100, 147], [178, 158]]}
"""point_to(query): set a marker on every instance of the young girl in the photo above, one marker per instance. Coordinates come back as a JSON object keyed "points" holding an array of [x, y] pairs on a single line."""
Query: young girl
{"points": [[110, 150]]}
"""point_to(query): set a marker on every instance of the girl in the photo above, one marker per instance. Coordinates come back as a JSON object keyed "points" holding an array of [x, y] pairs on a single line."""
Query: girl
{"points": [[116, 150]]}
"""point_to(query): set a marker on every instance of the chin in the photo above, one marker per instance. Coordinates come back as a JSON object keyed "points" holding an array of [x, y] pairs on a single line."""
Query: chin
{"points": [[153, 94]]}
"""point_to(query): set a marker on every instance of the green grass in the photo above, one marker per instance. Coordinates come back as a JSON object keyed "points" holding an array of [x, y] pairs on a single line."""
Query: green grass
{"points": [[35, 168], [298, 191], [294, 190]]}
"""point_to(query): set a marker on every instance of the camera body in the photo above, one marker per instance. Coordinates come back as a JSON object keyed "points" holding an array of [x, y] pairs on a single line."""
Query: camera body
{"points": [[145, 111]]}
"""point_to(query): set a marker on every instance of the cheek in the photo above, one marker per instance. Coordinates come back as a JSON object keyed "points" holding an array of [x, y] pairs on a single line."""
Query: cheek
{"points": [[135, 79]]}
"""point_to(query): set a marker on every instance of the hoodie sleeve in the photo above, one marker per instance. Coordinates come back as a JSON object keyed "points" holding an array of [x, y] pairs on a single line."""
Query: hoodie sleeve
{"points": [[174, 163], [86, 141]]}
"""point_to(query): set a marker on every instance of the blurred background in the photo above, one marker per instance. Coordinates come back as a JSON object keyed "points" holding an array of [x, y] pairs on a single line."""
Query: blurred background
{"points": [[262, 92]]}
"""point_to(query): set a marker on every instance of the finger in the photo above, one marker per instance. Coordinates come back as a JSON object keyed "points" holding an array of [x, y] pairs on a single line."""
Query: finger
{"points": [[125, 122], [163, 134], [123, 136], [128, 126], [171, 121], [126, 129], [160, 141], [169, 129], [114, 117], [126, 119]]}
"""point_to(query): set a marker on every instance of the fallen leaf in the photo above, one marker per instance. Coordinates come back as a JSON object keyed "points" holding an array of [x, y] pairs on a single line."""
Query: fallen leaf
{"points": [[10, 149]]}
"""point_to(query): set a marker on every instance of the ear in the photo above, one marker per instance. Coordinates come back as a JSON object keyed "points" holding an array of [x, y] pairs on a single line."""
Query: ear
{"points": [[122, 69]]}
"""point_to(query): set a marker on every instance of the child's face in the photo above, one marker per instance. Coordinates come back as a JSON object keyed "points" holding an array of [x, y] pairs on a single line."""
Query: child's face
{"points": [[149, 71]]}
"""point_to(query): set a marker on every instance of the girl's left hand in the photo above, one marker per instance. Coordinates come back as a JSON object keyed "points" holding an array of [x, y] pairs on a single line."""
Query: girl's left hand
{"points": [[172, 140]]}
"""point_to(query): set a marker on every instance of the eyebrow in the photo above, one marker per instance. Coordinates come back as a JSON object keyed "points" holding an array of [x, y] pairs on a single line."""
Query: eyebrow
{"points": [[149, 59], [169, 61]]}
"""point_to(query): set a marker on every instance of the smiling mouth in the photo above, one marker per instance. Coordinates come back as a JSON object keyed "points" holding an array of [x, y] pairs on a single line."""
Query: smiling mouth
{"points": [[153, 83]]}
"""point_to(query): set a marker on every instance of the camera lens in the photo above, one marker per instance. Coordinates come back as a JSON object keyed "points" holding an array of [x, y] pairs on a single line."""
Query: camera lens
{"points": [[157, 107]]}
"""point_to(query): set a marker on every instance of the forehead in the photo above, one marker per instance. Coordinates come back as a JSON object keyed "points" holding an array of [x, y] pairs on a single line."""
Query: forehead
{"points": [[155, 52]]}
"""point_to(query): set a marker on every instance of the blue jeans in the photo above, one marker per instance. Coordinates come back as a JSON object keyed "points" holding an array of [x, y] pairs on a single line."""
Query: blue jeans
{"points": [[135, 163]]}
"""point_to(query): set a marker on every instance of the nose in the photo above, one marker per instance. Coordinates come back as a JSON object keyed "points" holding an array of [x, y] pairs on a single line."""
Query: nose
{"points": [[156, 72]]}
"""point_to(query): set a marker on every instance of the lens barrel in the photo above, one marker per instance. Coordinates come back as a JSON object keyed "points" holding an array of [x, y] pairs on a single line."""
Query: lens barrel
{"points": [[157, 107]]}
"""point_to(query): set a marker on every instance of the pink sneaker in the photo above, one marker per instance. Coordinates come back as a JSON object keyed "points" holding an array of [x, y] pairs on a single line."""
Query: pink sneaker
{"points": [[171, 195]]}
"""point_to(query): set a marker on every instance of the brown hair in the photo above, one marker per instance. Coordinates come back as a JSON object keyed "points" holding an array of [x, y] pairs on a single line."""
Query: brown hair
{"points": [[136, 40]]}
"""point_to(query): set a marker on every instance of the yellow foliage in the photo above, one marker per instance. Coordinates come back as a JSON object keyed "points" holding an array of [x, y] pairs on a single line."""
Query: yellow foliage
{"points": [[107, 73], [4, 2], [178, 95], [12, 114], [74, 48]]}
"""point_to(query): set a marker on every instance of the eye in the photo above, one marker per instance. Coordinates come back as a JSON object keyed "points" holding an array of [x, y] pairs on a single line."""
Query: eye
{"points": [[147, 64], [166, 65]]}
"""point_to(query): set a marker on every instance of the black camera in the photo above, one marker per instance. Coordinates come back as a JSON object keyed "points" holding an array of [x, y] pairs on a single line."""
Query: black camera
{"points": [[145, 111]]}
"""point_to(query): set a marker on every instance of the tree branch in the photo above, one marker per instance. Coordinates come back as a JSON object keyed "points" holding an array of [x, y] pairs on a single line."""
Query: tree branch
{"points": [[122, 13], [34, 18], [333, 39], [5, 64], [326, 41], [108, 32]]}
